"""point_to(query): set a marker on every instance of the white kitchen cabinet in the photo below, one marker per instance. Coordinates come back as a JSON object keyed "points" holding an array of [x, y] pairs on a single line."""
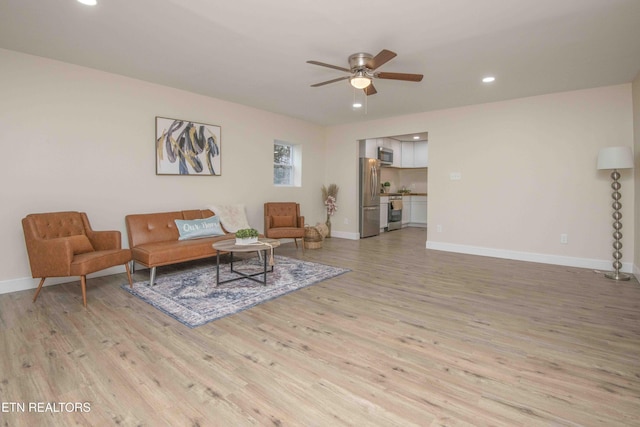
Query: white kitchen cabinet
{"points": [[371, 148], [421, 154], [407, 154], [414, 154], [418, 213], [406, 210], [384, 211]]}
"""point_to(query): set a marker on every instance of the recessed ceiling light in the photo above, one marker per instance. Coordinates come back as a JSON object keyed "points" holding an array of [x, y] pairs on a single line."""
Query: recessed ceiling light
{"points": [[88, 2], [416, 137], [357, 105], [489, 79]]}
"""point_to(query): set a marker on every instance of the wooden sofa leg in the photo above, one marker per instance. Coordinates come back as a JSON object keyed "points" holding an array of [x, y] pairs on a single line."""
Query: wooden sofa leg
{"points": [[126, 266], [83, 284], [39, 289]]}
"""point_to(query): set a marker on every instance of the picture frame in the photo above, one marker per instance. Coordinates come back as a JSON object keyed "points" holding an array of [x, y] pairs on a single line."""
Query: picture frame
{"points": [[186, 147]]}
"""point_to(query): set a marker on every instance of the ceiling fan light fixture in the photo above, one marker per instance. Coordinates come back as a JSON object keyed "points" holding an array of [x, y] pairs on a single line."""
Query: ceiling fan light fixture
{"points": [[360, 80]]}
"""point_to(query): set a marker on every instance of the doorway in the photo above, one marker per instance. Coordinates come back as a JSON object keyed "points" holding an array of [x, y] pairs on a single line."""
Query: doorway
{"points": [[407, 175]]}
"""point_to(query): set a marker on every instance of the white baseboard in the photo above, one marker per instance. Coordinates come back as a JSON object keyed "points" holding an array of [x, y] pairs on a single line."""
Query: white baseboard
{"points": [[345, 235], [596, 264], [26, 283]]}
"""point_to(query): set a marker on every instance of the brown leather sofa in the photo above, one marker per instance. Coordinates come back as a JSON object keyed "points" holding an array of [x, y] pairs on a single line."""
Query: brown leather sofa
{"points": [[153, 239]]}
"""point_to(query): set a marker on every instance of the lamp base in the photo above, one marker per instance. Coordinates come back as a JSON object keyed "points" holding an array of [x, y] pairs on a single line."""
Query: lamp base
{"points": [[617, 276]]}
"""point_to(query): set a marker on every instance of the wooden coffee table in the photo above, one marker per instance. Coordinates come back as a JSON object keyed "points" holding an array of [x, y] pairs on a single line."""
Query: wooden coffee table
{"points": [[231, 247]]}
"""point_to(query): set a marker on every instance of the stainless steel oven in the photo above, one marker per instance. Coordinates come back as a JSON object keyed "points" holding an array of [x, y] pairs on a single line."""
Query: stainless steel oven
{"points": [[394, 215]]}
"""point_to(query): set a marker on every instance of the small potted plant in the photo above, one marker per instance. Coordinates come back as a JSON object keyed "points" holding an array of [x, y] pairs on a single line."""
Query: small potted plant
{"points": [[246, 236], [387, 186]]}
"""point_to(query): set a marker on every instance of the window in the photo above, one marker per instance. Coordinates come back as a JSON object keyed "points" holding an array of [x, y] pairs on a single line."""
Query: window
{"points": [[282, 164], [286, 164]]}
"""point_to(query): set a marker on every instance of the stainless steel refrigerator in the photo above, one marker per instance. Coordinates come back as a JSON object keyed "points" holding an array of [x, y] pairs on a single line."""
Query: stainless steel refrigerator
{"points": [[369, 197]]}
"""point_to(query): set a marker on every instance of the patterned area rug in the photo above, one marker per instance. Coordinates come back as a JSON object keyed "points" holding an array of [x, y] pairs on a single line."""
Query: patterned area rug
{"points": [[192, 298]]}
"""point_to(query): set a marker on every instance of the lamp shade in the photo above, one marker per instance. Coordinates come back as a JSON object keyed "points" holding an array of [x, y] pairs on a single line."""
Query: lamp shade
{"points": [[615, 158], [360, 82]]}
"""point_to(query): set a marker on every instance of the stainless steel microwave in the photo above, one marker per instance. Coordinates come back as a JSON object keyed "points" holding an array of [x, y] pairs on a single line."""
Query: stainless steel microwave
{"points": [[385, 155]]}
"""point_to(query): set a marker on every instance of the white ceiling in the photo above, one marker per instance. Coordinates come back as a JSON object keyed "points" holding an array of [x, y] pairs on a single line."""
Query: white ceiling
{"points": [[254, 52]]}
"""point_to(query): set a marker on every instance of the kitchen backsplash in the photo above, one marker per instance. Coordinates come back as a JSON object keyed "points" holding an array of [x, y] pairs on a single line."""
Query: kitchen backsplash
{"points": [[412, 179]]}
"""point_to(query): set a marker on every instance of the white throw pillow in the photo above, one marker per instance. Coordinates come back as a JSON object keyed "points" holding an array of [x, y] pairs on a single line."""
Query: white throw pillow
{"points": [[232, 217]]}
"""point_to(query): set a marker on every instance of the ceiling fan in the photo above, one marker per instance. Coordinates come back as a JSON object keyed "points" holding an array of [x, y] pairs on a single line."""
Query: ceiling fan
{"points": [[362, 68]]}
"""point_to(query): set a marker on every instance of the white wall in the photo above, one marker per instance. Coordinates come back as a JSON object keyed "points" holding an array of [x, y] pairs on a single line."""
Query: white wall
{"points": [[74, 138], [636, 152], [528, 174]]}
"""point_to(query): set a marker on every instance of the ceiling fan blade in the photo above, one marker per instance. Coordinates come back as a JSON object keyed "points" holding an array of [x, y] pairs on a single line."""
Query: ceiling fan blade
{"points": [[370, 90], [400, 76], [335, 67], [330, 81], [380, 59]]}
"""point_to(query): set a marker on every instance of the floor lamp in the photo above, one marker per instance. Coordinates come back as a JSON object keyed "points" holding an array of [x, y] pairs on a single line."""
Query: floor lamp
{"points": [[616, 158]]}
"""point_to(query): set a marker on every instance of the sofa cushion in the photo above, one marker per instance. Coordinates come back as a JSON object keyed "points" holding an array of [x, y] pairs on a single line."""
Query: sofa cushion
{"points": [[282, 221], [171, 252], [199, 228], [286, 233], [80, 244]]}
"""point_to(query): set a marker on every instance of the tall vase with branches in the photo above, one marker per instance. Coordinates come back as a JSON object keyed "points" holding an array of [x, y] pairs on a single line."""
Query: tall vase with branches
{"points": [[330, 197]]}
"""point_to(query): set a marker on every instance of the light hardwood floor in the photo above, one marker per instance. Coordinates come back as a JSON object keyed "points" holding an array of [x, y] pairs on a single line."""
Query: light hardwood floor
{"points": [[409, 337]]}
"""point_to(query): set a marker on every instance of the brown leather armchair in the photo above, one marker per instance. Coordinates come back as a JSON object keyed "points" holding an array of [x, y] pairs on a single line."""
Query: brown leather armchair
{"points": [[282, 220], [62, 244]]}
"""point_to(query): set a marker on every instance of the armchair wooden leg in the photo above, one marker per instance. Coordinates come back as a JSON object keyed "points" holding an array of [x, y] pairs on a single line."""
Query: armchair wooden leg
{"points": [[296, 242], [302, 243], [39, 289], [83, 284], [126, 265]]}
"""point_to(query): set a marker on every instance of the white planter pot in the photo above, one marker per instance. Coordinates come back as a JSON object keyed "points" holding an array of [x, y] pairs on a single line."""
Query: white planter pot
{"points": [[246, 240]]}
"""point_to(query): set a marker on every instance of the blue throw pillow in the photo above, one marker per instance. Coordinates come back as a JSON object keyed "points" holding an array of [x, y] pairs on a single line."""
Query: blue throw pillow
{"points": [[199, 228]]}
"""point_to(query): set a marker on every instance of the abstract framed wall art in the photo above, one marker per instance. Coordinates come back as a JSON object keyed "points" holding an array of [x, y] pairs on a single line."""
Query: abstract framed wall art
{"points": [[187, 148]]}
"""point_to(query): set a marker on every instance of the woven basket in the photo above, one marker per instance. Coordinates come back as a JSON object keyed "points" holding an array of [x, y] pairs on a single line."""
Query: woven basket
{"points": [[312, 245], [312, 238], [322, 229]]}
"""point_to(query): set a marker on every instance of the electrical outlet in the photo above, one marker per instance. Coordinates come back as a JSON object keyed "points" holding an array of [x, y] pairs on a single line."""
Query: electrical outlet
{"points": [[439, 228], [346, 220], [455, 176], [564, 239]]}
